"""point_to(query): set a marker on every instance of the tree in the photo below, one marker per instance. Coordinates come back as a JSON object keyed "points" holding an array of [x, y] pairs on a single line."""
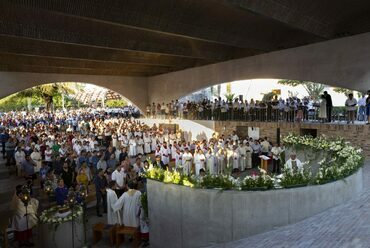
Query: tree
{"points": [[229, 97], [343, 90], [116, 103], [268, 96], [314, 90], [47, 92]]}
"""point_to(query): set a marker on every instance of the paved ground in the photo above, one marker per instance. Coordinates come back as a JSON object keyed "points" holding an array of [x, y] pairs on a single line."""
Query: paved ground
{"points": [[345, 226]]}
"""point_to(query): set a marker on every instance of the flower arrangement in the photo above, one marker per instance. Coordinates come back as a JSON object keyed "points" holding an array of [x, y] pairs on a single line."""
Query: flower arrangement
{"points": [[217, 181], [48, 216], [340, 159], [258, 182], [290, 178]]}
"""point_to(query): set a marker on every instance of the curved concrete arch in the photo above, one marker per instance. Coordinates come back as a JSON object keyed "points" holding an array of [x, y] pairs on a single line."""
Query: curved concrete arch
{"points": [[341, 62], [133, 89]]}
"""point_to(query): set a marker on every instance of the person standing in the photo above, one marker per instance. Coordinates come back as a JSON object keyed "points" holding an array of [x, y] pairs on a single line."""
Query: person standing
{"points": [[256, 147], [101, 193], [329, 105], [113, 217], [187, 158], [362, 108], [61, 193], [323, 109], [276, 151], [129, 203], [4, 136], [118, 175], [368, 107], [9, 149], [248, 156], [351, 108], [24, 218]]}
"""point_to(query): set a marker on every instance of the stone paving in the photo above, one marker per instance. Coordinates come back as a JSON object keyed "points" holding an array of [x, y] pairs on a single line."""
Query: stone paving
{"points": [[344, 226]]}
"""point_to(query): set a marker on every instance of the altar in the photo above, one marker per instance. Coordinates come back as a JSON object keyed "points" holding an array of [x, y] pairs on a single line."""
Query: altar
{"points": [[61, 230]]}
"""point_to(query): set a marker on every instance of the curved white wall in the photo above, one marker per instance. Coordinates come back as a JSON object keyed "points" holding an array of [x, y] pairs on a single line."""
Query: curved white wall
{"points": [[184, 217]]}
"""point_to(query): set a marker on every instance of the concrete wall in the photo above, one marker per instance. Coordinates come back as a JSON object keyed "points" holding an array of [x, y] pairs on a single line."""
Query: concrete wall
{"points": [[195, 130], [341, 62], [132, 88], [186, 217]]}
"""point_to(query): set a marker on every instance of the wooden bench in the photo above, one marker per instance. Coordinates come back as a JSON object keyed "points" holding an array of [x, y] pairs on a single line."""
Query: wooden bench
{"points": [[100, 228], [125, 230]]}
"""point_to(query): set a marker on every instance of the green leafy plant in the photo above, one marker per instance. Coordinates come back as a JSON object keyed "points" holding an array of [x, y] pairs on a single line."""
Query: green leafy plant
{"points": [[300, 178]]}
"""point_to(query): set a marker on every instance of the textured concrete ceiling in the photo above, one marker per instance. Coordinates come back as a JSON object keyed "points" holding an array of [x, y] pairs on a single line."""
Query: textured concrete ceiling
{"points": [[152, 37]]}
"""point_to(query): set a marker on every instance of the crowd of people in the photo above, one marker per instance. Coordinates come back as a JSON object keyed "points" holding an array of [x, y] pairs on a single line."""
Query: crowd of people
{"points": [[75, 149], [292, 109], [72, 150]]}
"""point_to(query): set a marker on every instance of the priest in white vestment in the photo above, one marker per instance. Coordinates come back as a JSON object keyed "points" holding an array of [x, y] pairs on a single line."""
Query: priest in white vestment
{"points": [[129, 203], [187, 158], [294, 164], [113, 217]]}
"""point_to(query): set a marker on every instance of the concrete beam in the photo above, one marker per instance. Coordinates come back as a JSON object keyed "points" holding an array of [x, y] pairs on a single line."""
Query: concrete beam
{"points": [[341, 63], [281, 13], [43, 61], [120, 13], [43, 25], [132, 88], [22, 46]]}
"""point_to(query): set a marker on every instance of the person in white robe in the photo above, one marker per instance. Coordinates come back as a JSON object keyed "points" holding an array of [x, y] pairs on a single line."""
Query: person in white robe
{"points": [[113, 218], [24, 217], [19, 156], [322, 109], [147, 142], [154, 142], [199, 161], [242, 160], [178, 159], [140, 145], [187, 159], [132, 147], [129, 203], [165, 154], [235, 158], [211, 163], [115, 140], [248, 156], [36, 157], [229, 156], [221, 160], [294, 164], [174, 148]]}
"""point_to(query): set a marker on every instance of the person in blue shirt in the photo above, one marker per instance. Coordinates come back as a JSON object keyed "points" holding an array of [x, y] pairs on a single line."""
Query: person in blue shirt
{"points": [[4, 136], [61, 193], [93, 160]]}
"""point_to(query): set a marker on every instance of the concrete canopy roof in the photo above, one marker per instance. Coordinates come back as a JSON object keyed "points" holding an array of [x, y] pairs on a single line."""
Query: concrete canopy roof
{"points": [[147, 38]]}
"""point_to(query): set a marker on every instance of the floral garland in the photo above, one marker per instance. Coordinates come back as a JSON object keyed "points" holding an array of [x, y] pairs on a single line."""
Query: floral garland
{"points": [[221, 181], [47, 216], [340, 160]]}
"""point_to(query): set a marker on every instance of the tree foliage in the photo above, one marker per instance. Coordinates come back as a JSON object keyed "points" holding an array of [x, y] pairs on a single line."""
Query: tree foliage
{"points": [[314, 90], [343, 90], [47, 92], [115, 103]]}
